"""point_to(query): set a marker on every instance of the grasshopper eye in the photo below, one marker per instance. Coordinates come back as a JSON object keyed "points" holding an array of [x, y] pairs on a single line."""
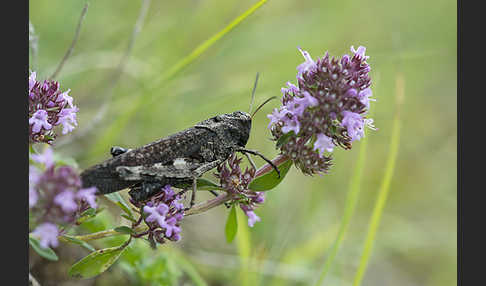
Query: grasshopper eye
{"points": [[218, 118], [117, 150]]}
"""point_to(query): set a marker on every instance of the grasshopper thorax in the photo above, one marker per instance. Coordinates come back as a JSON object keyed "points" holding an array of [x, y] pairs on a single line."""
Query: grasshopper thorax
{"points": [[233, 128]]}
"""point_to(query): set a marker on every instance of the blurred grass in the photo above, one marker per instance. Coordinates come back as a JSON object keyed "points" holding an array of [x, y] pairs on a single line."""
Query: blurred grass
{"points": [[416, 241], [385, 186]]}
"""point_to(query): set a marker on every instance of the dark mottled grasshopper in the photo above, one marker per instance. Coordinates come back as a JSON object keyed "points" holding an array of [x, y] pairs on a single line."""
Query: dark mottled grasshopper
{"points": [[177, 160]]}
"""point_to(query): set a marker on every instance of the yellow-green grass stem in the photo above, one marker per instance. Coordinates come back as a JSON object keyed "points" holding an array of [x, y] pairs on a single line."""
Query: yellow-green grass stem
{"points": [[350, 206], [385, 186]]}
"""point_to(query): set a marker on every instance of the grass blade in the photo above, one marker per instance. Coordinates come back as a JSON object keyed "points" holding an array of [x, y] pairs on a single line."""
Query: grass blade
{"points": [[243, 244], [351, 201], [385, 185]]}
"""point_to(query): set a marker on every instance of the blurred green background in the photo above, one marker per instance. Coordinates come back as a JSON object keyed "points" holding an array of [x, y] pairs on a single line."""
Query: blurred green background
{"points": [[415, 40]]}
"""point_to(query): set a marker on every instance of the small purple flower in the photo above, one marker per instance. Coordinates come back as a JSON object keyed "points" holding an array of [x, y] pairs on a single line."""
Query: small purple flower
{"points": [[157, 214], [274, 117], [291, 124], [291, 88], [34, 176], [47, 233], [88, 195], [46, 158], [33, 196], [67, 117], [364, 97], [323, 143], [177, 205], [299, 104], [259, 198], [169, 192], [360, 52], [66, 201], [68, 99], [49, 107], [354, 124], [39, 121], [308, 65], [31, 81], [171, 228], [252, 217]]}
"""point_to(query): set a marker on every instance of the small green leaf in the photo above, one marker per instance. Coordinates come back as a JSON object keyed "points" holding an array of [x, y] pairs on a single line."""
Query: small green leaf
{"points": [[79, 241], [89, 212], [205, 184], [125, 209], [270, 180], [284, 139], [128, 217], [231, 225], [124, 229], [86, 215], [96, 262], [47, 253], [117, 199]]}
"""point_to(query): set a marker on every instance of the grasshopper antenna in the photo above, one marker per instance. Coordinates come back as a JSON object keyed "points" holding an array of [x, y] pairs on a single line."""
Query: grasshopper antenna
{"points": [[253, 92], [261, 105]]}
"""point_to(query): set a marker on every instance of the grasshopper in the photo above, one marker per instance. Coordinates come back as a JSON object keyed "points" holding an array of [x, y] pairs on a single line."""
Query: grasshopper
{"points": [[177, 160]]}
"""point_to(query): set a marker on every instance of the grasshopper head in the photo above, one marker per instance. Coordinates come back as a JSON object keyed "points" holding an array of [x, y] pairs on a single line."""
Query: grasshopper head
{"points": [[238, 125], [234, 127]]}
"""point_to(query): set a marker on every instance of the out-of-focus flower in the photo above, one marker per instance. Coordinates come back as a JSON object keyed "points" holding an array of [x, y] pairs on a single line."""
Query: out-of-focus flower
{"points": [[88, 195], [326, 109], [47, 234], [55, 195], [34, 175], [49, 107], [66, 201]]}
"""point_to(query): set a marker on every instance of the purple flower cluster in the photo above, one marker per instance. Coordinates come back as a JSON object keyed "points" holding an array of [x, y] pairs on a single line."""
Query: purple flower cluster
{"points": [[236, 182], [163, 213], [49, 107], [55, 197], [326, 109]]}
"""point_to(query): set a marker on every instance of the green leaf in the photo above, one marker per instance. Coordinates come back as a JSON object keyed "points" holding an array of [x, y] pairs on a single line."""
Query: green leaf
{"points": [[284, 139], [205, 184], [86, 215], [47, 253], [129, 218], [96, 262], [270, 180], [231, 225], [80, 242], [117, 199], [124, 229]]}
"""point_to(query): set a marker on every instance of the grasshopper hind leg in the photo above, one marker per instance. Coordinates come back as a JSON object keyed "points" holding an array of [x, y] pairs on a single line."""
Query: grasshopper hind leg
{"points": [[145, 190]]}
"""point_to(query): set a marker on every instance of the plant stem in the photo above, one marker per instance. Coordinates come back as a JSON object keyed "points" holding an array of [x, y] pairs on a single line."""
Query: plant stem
{"points": [[209, 204], [279, 160], [100, 234], [73, 43]]}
